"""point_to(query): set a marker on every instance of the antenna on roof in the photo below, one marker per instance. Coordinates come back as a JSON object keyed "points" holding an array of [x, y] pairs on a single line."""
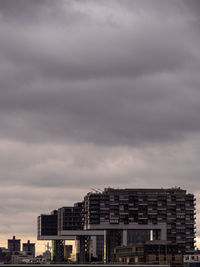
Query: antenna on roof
{"points": [[95, 190]]}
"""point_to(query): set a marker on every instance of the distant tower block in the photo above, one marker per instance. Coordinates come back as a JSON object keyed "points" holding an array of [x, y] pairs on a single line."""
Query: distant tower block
{"points": [[14, 244]]}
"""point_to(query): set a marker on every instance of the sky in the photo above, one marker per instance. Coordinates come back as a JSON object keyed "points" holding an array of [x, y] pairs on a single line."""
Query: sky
{"points": [[95, 94]]}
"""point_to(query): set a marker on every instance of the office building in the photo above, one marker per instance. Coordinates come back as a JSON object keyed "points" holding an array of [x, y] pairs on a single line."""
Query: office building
{"points": [[112, 218]]}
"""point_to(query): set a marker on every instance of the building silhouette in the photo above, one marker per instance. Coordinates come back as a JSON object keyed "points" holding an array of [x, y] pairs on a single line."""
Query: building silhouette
{"points": [[29, 248], [14, 244], [112, 218]]}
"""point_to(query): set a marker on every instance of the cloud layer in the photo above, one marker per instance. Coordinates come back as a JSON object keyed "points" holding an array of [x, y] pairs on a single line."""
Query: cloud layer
{"points": [[94, 94]]}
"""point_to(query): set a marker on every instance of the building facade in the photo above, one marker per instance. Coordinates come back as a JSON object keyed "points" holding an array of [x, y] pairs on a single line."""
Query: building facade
{"points": [[123, 217], [151, 252]]}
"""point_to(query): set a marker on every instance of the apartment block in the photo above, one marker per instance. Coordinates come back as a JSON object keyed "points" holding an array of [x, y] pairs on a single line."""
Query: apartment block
{"points": [[112, 218], [29, 248], [14, 244]]}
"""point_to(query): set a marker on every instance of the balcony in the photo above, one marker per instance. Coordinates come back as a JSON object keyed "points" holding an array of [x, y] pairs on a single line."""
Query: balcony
{"points": [[190, 236], [190, 208], [189, 222], [133, 208]]}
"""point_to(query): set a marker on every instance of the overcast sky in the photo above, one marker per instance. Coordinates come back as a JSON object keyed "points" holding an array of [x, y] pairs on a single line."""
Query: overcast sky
{"points": [[95, 94]]}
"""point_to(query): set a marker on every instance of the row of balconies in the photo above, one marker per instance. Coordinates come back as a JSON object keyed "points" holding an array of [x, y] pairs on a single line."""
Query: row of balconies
{"points": [[159, 210], [171, 219], [143, 202]]}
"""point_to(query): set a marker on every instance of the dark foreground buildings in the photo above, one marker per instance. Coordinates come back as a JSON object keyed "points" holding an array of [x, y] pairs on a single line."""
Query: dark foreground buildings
{"points": [[155, 225], [13, 253]]}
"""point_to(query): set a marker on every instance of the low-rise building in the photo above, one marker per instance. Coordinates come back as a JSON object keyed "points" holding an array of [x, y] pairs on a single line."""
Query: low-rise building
{"points": [[21, 257], [5, 255], [152, 252]]}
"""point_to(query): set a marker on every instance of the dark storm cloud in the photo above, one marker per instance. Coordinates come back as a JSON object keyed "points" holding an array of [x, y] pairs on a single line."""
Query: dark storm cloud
{"points": [[95, 94]]}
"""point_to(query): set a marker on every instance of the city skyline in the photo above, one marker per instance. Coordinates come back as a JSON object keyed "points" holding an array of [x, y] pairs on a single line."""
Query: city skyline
{"points": [[95, 94]]}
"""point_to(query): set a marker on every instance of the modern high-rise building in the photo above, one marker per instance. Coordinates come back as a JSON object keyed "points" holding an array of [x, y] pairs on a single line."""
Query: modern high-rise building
{"points": [[111, 218]]}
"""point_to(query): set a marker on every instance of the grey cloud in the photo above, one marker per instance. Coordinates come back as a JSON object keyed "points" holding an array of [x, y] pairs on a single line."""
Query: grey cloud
{"points": [[23, 12], [80, 167], [98, 82], [95, 94], [121, 113], [49, 177]]}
